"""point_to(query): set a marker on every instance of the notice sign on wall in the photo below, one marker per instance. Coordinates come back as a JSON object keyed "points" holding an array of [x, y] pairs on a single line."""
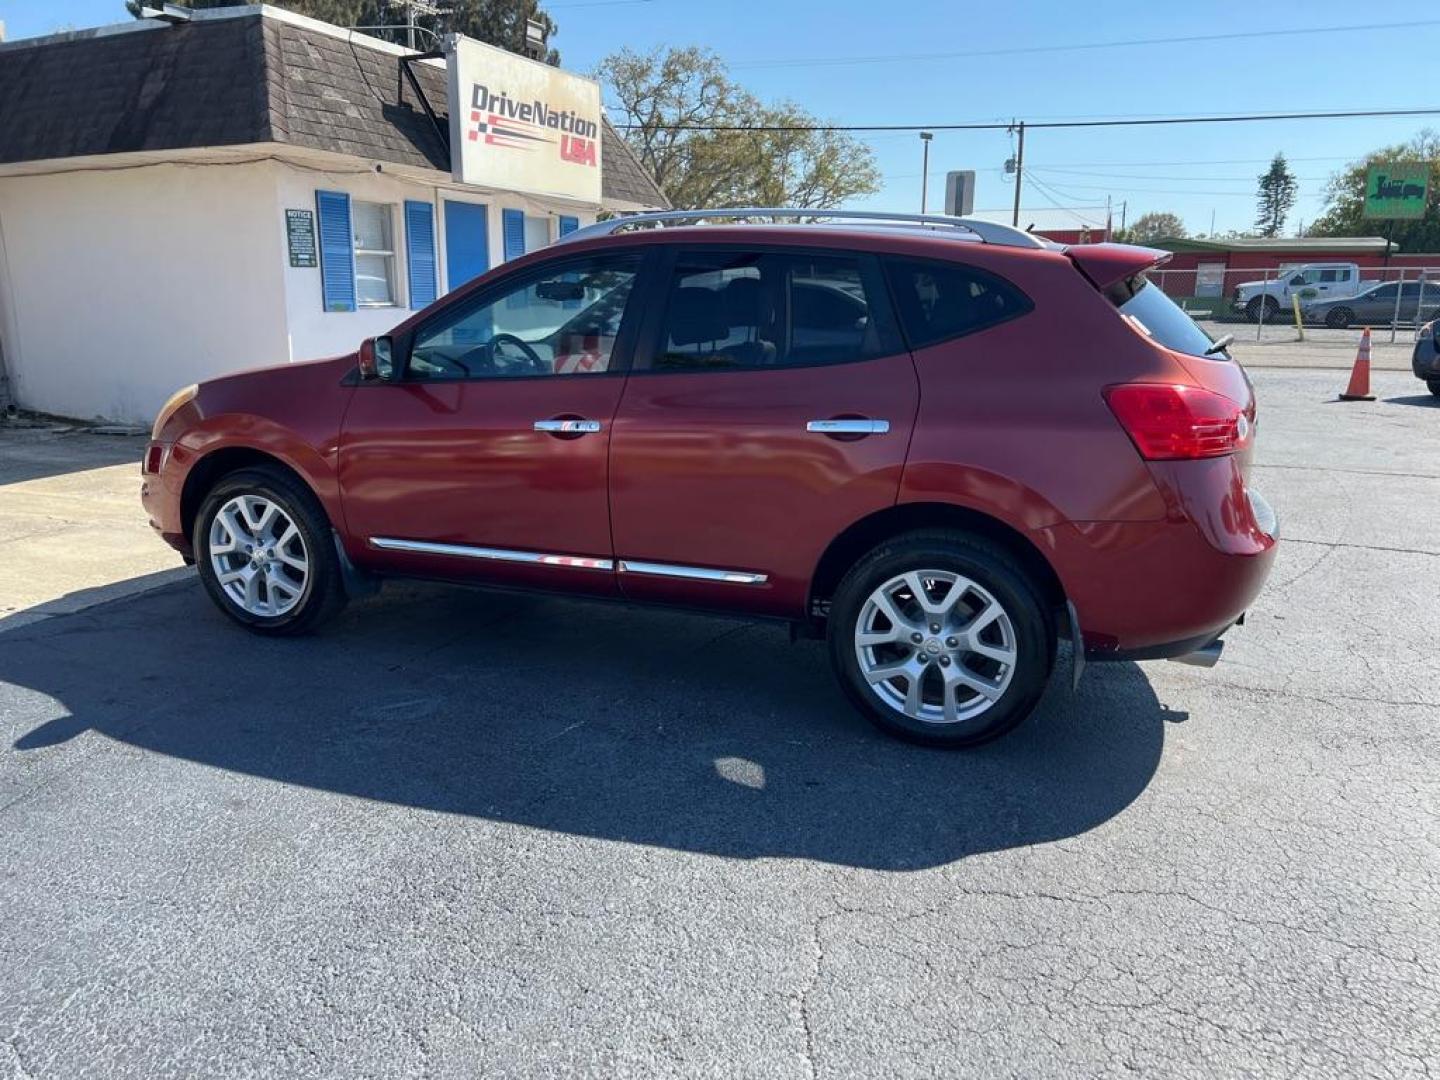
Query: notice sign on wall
{"points": [[300, 237], [1396, 192], [519, 125]]}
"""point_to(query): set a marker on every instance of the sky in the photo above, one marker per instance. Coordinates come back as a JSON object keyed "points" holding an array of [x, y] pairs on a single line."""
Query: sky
{"points": [[871, 62]]}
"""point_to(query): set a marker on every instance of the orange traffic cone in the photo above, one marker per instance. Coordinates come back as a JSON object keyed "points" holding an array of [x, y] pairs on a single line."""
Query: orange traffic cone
{"points": [[1359, 388]]}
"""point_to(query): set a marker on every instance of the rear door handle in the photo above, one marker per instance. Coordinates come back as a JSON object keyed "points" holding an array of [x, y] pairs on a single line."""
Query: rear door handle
{"points": [[568, 427], [848, 427]]}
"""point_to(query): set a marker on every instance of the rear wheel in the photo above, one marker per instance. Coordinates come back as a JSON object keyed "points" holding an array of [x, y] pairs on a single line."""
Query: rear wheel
{"points": [[941, 638], [1434, 386], [265, 554], [1339, 318]]}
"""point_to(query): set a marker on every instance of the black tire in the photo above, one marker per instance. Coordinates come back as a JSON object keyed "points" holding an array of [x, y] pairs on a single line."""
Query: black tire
{"points": [[1433, 385], [323, 592], [1339, 318], [1269, 304], [993, 569]]}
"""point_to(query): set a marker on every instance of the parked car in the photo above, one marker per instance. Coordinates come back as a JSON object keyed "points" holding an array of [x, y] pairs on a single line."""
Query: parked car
{"points": [[1312, 282], [1418, 301], [1425, 360], [940, 445]]}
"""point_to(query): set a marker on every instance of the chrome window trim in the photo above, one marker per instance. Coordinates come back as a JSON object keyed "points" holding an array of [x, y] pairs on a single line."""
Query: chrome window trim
{"points": [[693, 573], [467, 551]]}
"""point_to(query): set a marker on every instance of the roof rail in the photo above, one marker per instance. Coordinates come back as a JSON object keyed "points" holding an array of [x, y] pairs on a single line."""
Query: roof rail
{"points": [[987, 231]]}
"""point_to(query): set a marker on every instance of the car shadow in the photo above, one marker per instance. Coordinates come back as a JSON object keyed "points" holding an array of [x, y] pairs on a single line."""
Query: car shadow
{"points": [[1424, 401], [644, 726]]}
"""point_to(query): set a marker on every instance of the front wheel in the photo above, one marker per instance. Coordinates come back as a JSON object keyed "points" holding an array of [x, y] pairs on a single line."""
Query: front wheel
{"points": [[264, 551], [941, 638], [1339, 318], [1434, 386], [1262, 307]]}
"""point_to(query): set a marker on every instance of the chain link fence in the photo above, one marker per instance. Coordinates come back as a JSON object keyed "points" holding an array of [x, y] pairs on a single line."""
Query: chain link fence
{"points": [[1330, 306]]}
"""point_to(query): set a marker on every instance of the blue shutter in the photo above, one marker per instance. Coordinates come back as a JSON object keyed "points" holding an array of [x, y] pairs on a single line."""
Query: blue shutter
{"points": [[568, 224], [513, 229], [467, 242], [420, 252], [337, 251]]}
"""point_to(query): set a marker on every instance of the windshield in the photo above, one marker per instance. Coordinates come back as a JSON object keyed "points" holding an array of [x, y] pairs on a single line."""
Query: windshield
{"points": [[1155, 315]]}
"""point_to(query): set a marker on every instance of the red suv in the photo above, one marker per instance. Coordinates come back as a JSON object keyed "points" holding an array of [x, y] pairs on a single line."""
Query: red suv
{"points": [[939, 444]]}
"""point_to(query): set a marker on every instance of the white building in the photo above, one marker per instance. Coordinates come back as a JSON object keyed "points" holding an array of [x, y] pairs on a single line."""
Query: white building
{"points": [[252, 187]]}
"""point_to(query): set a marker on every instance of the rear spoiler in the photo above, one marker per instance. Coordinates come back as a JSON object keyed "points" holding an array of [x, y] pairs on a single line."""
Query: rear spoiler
{"points": [[1105, 264]]}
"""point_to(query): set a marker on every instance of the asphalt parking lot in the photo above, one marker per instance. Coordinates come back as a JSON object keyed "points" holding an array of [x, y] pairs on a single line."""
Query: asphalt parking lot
{"points": [[462, 835]]}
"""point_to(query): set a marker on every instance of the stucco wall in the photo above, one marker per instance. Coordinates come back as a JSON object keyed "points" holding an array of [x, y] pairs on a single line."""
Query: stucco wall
{"points": [[120, 286]]}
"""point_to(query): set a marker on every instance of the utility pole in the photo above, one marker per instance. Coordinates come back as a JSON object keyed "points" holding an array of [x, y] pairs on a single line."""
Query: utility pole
{"points": [[1124, 208], [925, 137], [1109, 219], [1019, 173], [413, 9]]}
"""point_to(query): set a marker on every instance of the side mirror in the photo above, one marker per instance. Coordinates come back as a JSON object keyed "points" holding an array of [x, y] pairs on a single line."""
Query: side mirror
{"points": [[376, 359]]}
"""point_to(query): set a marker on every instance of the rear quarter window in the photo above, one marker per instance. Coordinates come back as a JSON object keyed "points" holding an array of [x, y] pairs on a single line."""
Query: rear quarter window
{"points": [[1147, 308], [938, 300]]}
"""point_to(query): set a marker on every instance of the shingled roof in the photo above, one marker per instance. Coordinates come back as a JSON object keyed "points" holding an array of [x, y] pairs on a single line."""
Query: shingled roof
{"points": [[249, 77]]}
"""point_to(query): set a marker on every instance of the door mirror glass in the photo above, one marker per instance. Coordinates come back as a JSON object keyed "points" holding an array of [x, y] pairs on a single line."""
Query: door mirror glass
{"points": [[377, 358]]}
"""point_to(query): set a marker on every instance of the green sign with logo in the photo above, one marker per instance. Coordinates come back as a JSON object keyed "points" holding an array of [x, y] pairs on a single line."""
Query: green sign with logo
{"points": [[1397, 192]]}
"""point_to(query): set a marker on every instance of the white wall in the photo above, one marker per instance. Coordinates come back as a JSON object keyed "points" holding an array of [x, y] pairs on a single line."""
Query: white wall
{"points": [[118, 286], [314, 332], [123, 285]]}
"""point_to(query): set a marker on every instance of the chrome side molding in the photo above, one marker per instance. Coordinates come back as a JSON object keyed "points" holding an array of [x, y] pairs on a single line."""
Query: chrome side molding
{"points": [[694, 573], [466, 551], [576, 562]]}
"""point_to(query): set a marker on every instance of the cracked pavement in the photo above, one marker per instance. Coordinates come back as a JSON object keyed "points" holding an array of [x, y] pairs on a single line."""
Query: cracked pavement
{"points": [[463, 835]]}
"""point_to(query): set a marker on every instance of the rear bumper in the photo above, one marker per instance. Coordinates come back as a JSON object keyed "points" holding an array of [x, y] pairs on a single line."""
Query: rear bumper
{"points": [[1160, 589]]}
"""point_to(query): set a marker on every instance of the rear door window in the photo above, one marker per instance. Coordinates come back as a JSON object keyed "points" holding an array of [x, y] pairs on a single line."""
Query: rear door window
{"points": [[938, 300], [755, 309]]}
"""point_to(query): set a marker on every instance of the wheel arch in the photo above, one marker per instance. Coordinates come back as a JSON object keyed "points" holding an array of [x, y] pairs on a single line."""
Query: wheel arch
{"points": [[863, 535], [214, 466]]}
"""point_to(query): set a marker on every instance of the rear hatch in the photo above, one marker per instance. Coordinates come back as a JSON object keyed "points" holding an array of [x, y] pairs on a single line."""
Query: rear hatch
{"points": [[1120, 272]]}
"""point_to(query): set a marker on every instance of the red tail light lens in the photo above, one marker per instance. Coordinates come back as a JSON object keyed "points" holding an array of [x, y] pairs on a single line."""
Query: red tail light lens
{"points": [[1167, 421]]}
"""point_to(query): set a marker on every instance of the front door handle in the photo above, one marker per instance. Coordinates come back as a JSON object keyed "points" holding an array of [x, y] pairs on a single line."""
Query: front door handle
{"points": [[848, 427], [568, 426]]}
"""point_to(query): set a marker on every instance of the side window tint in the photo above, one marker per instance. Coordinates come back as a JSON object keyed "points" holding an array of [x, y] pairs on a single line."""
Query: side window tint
{"points": [[1328, 276], [558, 322], [940, 300], [1385, 292], [757, 310]]}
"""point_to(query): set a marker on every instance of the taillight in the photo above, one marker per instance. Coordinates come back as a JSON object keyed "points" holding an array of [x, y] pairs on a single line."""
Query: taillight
{"points": [[1166, 421]]}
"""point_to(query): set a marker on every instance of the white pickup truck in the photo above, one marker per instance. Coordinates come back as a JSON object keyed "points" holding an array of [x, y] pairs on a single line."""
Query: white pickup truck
{"points": [[1313, 281]]}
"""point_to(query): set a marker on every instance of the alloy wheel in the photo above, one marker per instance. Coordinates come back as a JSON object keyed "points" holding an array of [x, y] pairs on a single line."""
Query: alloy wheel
{"points": [[259, 556], [936, 646]]}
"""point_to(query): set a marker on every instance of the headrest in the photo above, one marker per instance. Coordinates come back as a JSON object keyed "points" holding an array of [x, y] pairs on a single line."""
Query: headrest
{"points": [[697, 315], [742, 302]]}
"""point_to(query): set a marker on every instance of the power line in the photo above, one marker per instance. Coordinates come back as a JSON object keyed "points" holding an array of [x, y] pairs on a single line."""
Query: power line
{"points": [[1131, 122], [1018, 50], [1158, 176]]}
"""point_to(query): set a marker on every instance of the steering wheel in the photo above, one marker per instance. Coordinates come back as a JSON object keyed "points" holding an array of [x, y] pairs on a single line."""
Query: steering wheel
{"points": [[530, 357]]}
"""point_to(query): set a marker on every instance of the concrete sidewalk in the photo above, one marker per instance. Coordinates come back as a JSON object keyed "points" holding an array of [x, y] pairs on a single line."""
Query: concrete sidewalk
{"points": [[72, 532]]}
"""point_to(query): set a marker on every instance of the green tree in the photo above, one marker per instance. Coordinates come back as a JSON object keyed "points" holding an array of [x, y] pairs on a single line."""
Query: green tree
{"points": [[672, 102], [1275, 197], [1345, 198], [499, 22], [1156, 225]]}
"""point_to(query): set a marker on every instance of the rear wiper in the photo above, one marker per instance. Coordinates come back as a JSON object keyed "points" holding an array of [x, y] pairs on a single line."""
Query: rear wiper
{"points": [[1219, 346]]}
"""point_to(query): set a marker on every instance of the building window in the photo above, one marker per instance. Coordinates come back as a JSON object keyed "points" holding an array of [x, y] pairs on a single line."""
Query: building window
{"points": [[374, 254]]}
